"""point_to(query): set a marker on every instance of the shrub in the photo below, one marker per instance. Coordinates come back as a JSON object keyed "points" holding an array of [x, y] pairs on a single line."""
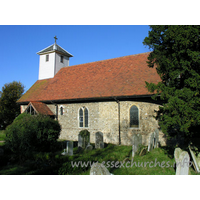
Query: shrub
{"points": [[21, 116], [85, 133], [32, 133]]}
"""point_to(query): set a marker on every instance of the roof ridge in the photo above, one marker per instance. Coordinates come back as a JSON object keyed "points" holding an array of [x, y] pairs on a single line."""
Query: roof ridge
{"points": [[44, 48], [35, 102], [64, 50], [51, 49], [108, 59], [121, 76]]}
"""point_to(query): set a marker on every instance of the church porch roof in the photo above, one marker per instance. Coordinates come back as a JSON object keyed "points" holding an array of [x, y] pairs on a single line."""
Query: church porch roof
{"points": [[41, 108]]}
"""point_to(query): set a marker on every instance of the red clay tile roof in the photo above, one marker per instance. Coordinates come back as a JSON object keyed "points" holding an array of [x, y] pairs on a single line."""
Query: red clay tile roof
{"points": [[41, 108], [123, 76]]}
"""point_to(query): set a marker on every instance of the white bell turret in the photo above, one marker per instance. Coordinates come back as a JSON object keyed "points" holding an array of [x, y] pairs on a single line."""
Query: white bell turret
{"points": [[52, 59]]}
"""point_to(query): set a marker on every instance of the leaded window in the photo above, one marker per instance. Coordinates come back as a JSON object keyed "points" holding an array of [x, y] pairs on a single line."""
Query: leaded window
{"points": [[86, 117], [61, 110], [83, 117], [134, 117]]}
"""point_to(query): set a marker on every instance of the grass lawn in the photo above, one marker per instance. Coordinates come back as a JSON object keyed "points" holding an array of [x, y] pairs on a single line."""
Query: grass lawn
{"points": [[157, 162]]}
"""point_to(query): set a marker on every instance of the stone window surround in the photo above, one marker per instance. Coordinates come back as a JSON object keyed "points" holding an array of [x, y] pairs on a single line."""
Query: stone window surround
{"points": [[62, 110], [138, 117], [83, 109]]}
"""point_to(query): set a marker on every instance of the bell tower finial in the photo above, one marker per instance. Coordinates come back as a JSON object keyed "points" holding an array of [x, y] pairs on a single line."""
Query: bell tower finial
{"points": [[55, 39]]}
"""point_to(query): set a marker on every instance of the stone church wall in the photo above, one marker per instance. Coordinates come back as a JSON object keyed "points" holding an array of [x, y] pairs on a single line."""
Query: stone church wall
{"points": [[23, 108], [147, 122], [103, 117]]}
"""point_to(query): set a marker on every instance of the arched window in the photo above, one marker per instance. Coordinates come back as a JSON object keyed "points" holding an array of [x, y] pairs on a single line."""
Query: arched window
{"points": [[134, 117], [61, 110], [86, 117], [83, 117]]}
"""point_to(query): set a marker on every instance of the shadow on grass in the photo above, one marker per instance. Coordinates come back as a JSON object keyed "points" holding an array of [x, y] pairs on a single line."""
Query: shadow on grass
{"points": [[169, 150], [53, 163]]}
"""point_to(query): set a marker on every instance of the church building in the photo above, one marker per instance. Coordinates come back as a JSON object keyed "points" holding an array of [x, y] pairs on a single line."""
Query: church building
{"points": [[107, 96]]}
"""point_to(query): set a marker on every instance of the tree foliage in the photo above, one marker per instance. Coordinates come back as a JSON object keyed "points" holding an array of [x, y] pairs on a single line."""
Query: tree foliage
{"points": [[176, 56], [29, 133], [9, 109]]}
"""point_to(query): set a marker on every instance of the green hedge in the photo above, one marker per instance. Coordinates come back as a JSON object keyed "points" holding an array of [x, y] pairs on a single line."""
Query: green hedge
{"points": [[32, 133]]}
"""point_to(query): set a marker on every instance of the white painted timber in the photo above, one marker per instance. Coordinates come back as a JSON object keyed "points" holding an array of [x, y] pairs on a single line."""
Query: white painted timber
{"points": [[48, 69]]}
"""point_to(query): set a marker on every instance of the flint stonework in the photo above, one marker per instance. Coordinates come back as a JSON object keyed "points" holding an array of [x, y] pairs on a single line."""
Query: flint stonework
{"points": [[103, 117]]}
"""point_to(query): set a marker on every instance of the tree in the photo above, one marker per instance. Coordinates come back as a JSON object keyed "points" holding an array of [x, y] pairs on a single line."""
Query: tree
{"points": [[32, 133], [176, 56], [9, 109]]}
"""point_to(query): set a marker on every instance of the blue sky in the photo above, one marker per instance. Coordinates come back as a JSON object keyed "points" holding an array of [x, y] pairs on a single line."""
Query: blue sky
{"points": [[87, 43], [19, 61]]}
